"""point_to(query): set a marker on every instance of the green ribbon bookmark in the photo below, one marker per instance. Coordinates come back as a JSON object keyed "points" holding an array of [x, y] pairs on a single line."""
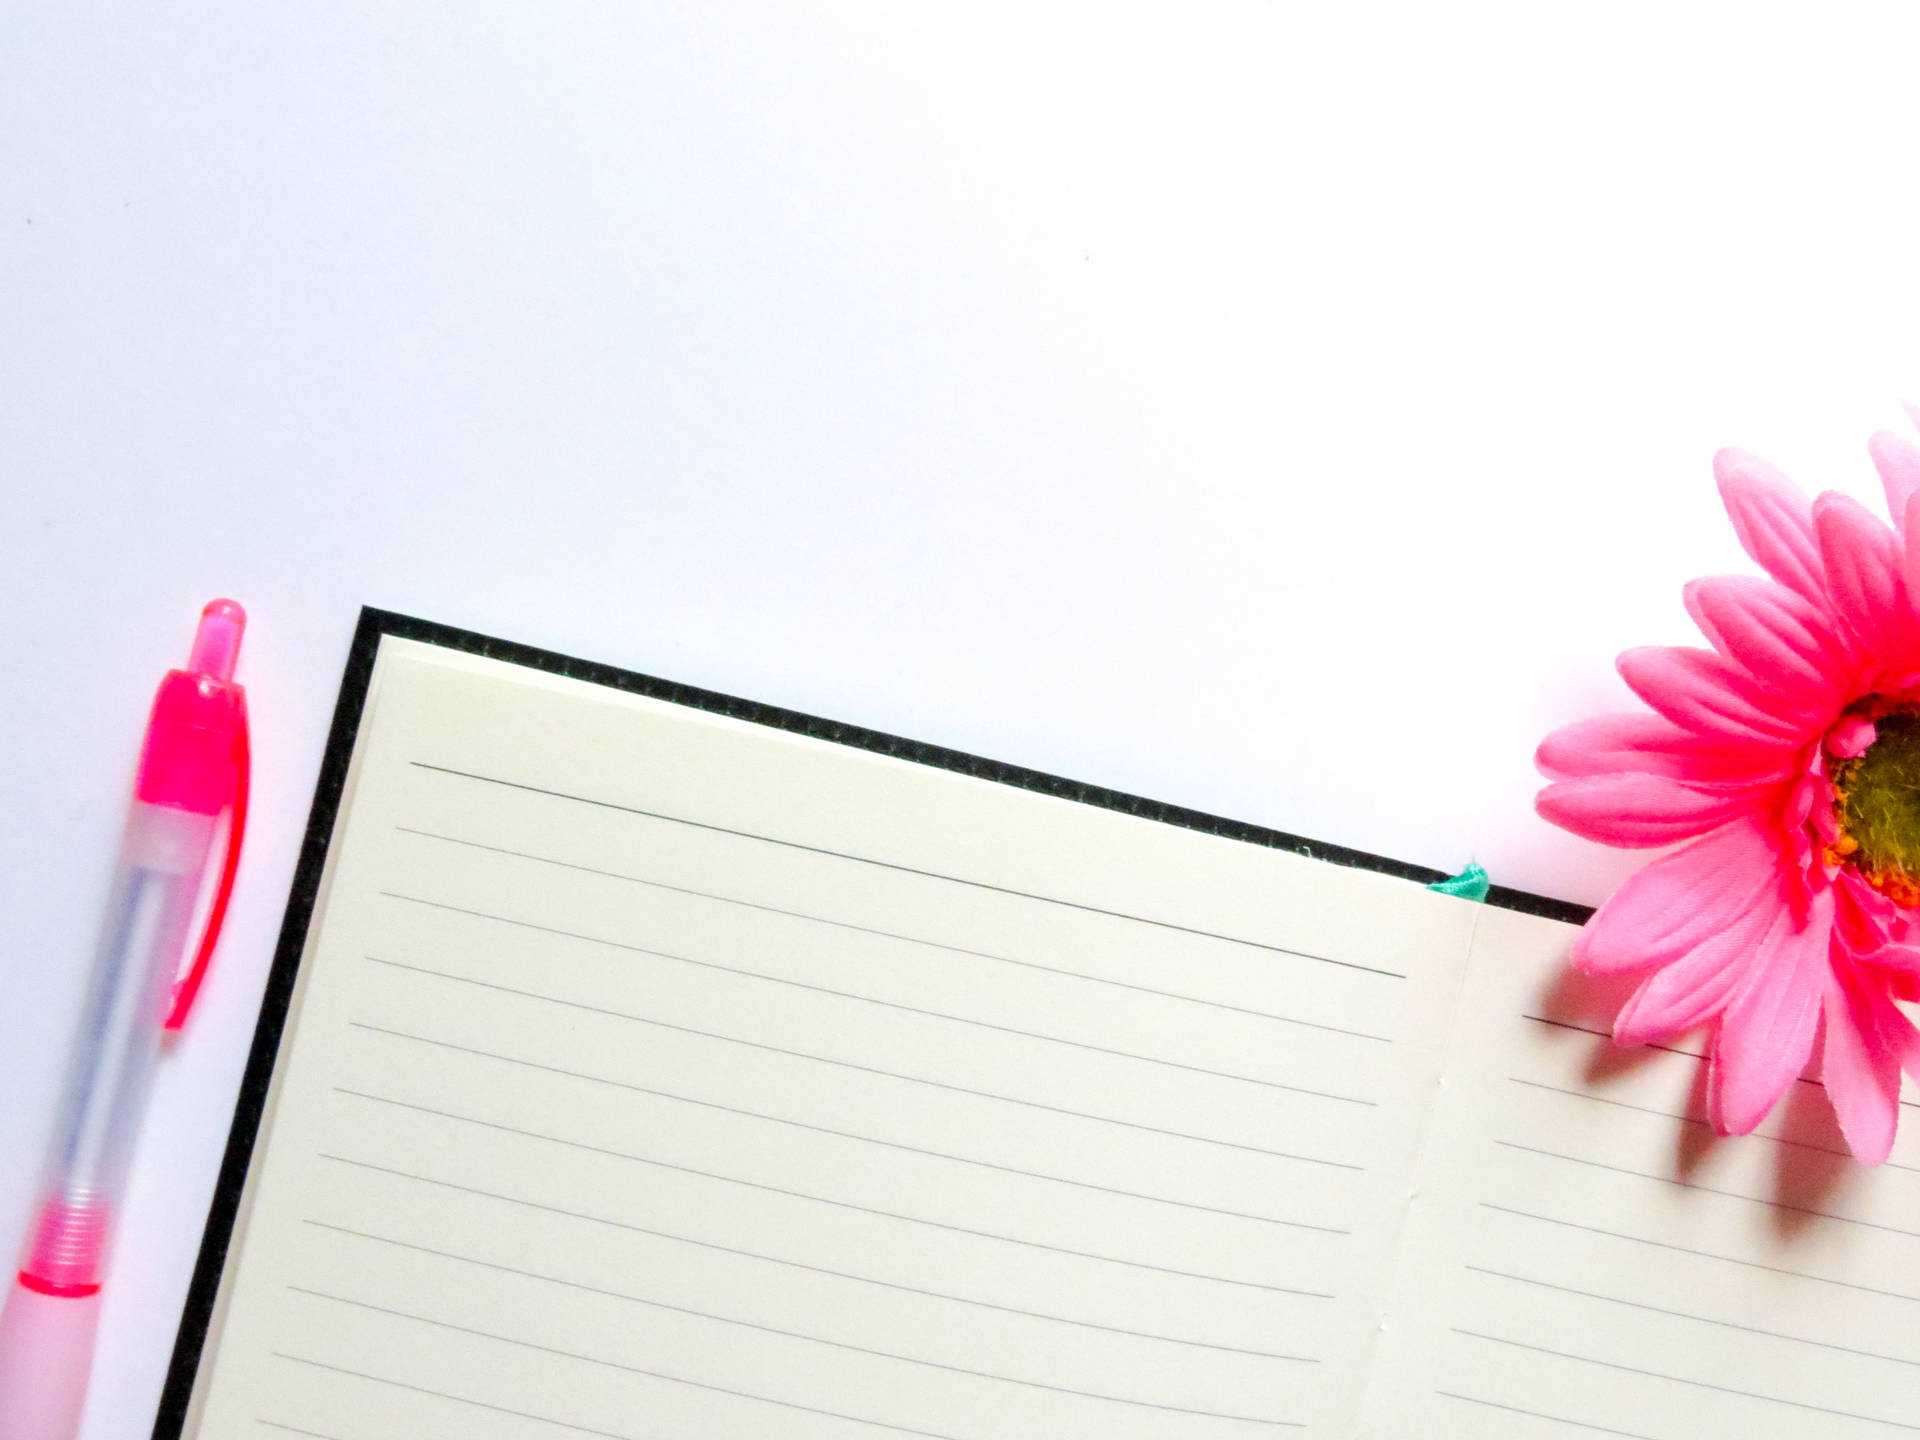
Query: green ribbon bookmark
{"points": [[1470, 884]]}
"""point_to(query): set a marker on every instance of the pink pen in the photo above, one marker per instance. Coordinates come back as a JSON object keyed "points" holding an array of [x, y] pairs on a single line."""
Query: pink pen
{"points": [[193, 770]]}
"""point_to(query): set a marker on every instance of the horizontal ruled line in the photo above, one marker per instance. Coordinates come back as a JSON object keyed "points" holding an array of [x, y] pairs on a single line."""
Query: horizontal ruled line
{"points": [[291, 1429], [885, 1004], [1708, 1189], [794, 1335], [863, 1139], [1683, 1380], [825, 1200], [869, 1069], [913, 870], [1700, 1254], [1542, 1415], [1695, 1121], [895, 935], [1608, 1035], [587, 1429], [776, 1260], [1697, 1319]]}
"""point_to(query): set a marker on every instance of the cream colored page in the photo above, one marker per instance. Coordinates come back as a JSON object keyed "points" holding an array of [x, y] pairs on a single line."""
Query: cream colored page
{"points": [[1587, 1258], [656, 1074]]}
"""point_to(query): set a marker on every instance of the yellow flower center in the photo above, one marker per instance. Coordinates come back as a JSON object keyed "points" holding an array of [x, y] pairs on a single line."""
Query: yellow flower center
{"points": [[1878, 808]]}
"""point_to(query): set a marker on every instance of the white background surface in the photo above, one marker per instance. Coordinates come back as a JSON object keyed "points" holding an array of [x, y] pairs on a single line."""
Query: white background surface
{"points": [[1282, 413]]}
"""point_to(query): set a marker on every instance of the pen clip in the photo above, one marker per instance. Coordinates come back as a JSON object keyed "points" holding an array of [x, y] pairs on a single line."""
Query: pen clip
{"points": [[187, 987]]}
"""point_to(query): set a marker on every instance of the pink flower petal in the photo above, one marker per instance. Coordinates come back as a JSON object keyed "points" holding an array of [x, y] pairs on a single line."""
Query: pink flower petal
{"points": [[1766, 1033], [1689, 992], [1772, 519], [1910, 564], [1864, 921], [1709, 695], [1863, 561], [1860, 1065], [1649, 745], [1849, 739], [1896, 1033], [1898, 461], [1896, 957], [1641, 810], [1678, 901], [1780, 640]]}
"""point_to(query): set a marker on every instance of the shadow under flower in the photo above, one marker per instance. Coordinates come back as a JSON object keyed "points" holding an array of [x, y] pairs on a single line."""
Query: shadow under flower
{"points": [[1812, 1165]]}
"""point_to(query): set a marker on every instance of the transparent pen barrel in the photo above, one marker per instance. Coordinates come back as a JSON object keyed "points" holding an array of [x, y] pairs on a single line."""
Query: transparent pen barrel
{"points": [[143, 933]]}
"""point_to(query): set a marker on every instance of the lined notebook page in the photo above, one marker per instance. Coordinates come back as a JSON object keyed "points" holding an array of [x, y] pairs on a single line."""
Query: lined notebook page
{"points": [[1587, 1259], [655, 1074]]}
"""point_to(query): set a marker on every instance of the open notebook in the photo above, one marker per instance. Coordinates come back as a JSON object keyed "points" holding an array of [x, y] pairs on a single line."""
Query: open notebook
{"points": [[640, 1063]]}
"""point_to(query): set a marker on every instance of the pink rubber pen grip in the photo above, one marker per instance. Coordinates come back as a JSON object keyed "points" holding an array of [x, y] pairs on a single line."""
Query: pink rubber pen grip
{"points": [[46, 1351]]}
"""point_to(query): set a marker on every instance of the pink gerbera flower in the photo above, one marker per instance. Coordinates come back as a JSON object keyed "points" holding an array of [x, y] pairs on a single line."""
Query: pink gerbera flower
{"points": [[1787, 758]]}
